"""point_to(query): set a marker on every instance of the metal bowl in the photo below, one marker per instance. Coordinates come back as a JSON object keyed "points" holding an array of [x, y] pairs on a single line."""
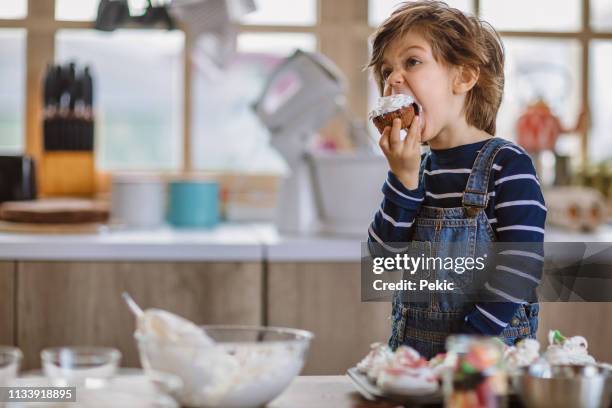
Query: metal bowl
{"points": [[564, 386]]}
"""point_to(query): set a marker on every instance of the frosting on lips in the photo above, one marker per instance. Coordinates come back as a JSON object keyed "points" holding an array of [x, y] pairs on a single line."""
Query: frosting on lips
{"points": [[391, 103]]}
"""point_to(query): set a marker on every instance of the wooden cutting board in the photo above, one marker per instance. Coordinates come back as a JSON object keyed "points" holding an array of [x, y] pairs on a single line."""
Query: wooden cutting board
{"points": [[30, 228], [55, 211]]}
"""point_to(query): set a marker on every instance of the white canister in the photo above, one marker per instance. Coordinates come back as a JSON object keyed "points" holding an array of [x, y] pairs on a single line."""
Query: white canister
{"points": [[138, 200]]}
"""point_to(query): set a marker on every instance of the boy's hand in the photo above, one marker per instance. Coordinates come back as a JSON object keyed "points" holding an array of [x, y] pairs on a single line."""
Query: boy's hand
{"points": [[404, 156]]}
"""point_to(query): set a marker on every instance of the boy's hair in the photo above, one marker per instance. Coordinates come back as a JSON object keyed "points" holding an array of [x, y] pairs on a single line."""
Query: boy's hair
{"points": [[456, 39]]}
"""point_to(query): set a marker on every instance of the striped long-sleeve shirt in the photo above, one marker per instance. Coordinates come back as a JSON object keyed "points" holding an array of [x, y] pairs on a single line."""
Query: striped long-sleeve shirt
{"points": [[516, 211]]}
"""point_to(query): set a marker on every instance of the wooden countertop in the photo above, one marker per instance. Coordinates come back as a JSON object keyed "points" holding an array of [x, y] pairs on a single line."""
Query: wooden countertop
{"points": [[336, 391], [333, 391]]}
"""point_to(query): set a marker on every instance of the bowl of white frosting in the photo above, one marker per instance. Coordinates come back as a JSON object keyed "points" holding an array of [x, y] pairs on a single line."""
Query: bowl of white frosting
{"points": [[221, 366]]}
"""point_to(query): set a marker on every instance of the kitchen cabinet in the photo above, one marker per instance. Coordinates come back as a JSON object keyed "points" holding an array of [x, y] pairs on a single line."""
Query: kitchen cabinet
{"points": [[79, 303], [7, 303], [592, 320], [325, 298]]}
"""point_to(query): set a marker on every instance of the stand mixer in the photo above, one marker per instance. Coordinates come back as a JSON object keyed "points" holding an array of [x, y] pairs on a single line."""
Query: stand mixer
{"points": [[300, 97]]}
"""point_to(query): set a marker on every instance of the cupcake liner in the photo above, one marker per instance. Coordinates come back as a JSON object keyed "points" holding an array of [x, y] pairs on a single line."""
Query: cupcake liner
{"points": [[406, 114]]}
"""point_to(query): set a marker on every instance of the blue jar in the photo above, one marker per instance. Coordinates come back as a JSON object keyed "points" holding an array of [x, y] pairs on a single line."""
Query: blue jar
{"points": [[193, 203]]}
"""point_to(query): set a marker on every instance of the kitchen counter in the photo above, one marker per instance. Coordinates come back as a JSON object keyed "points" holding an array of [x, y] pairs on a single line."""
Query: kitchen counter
{"points": [[228, 242], [333, 391], [336, 391]]}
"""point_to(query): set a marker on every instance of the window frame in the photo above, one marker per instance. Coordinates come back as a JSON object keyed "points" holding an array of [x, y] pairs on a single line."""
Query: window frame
{"points": [[346, 19], [585, 35]]}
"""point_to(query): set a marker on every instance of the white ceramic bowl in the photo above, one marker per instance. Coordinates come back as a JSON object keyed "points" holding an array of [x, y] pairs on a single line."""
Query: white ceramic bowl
{"points": [[245, 367]]}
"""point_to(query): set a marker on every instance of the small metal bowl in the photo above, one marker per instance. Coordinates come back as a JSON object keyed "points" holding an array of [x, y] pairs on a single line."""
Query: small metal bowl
{"points": [[564, 386]]}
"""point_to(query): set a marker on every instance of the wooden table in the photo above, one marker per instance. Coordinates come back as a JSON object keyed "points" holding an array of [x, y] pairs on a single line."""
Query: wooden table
{"points": [[330, 391], [336, 391]]}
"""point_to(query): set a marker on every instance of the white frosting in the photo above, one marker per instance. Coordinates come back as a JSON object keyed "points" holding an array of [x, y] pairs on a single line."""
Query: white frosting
{"points": [[391, 103], [523, 354], [407, 381], [403, 372], [170, 328], [214, 374], [220, 376], [405, 356], [379, 357], [572, 350]]}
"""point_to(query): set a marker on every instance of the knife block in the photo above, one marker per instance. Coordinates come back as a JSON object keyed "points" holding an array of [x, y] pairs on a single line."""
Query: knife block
{"points": [[68, 161]]}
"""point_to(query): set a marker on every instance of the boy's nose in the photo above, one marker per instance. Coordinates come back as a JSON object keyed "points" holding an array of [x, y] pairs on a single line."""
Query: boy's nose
{"points": [[395, 78], [395, 82]]}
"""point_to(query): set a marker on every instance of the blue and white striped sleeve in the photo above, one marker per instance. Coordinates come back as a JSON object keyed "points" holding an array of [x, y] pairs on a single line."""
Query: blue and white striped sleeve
{"points": [[520, 214], [393, 220]]}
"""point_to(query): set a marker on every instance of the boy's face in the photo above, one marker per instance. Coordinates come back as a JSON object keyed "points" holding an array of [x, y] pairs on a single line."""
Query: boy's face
{"points": [[410, 68]]}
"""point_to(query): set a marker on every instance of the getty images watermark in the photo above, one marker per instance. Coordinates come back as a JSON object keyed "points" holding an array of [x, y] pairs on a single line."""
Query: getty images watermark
{"points": [[548, 272], [412, 265]]}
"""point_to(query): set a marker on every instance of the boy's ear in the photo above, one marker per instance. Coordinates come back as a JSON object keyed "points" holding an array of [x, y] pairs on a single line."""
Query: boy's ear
{"points": [[465, 79]]}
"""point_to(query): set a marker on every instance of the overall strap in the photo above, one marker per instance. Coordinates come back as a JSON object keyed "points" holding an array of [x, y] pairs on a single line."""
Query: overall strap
{"points": [[424, 158], [476, 189]]}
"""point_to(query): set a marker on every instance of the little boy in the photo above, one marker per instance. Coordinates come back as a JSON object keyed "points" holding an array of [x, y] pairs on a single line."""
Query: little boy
{"points": [[471, 187]]}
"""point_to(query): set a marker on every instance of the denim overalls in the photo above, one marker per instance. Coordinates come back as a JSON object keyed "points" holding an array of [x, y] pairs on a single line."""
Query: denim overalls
{"points": [[424, 325]]}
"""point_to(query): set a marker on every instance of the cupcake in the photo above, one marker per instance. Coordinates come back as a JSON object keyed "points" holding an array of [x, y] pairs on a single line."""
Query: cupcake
{"points": [[407, 374], [395, 106], [567, 350], [379, 357]]}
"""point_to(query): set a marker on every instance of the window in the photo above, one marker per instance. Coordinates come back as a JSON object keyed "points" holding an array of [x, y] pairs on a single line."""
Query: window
{"points": [[544, 57], [269, 12], [283, 12], [379, 10], [138, 91], [13, 9], [601, 100], [281, 44], [546, 68], [86, 10], [601, 15], [226, 134], [12, 89], [530, 15], [76, 10]]}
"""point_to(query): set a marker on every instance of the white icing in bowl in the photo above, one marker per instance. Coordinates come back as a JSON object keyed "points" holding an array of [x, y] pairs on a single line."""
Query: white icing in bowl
{"points": [[242, 366]]}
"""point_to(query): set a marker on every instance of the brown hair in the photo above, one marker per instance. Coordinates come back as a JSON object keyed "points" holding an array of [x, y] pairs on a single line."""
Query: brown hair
{"points": [[456, 39]]}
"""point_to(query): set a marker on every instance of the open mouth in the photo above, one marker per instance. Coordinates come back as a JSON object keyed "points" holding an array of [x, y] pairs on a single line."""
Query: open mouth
{"points": [[416, 105]]}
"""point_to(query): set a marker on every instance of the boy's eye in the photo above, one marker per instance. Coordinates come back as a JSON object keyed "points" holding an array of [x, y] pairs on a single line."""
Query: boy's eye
{"points": [[411, 62]]}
